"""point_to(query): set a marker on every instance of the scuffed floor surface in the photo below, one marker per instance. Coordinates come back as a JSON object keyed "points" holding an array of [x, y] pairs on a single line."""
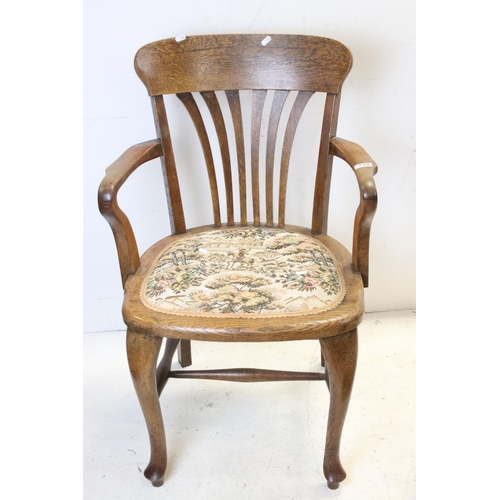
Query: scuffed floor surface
{"points": [[261, 441]]}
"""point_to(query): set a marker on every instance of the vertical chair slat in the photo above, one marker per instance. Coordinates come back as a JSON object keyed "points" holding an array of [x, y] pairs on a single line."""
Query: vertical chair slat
{"points": [[233, 98], [324, 170], [174, 200], [193, 110], [215, 111], [272, 132], [298, 107], [258, 100]]}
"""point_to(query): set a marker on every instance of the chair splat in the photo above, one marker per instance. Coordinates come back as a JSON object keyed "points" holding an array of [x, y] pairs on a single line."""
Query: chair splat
{"points": [[260, 123], [233, 99], [258, 101], [220, 127], [193, 110], [298, 107], [272, 132]]}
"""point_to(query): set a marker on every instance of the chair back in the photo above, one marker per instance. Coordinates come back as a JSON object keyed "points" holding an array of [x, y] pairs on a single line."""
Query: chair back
{"points": [[281, 72]]}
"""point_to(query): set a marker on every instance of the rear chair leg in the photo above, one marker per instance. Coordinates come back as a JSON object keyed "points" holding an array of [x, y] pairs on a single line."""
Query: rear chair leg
{"points": [[163, 369], [142, 353], [340, 353], [184, 353]]}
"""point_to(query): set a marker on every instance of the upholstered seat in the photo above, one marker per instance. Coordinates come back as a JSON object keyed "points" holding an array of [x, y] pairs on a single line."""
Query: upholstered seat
{"points": [[185, 280], [248, 271]]}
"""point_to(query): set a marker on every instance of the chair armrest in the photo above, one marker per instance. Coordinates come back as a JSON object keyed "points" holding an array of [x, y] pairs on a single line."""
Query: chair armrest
{"points": [[365, 168], [116, 174]]}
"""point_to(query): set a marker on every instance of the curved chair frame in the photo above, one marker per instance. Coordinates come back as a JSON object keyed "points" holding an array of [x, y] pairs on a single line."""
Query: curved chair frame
{"points": [[287, 66]]}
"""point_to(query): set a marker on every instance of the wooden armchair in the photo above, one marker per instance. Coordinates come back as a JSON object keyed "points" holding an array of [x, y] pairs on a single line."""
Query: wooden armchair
{"points": [[255, 280]]}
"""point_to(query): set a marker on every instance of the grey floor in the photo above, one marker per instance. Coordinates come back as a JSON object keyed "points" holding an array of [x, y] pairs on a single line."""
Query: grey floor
{"points": [[256, 441]]}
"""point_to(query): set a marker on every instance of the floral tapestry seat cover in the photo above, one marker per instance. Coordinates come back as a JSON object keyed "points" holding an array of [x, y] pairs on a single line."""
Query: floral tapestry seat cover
{"points": [[244, 272]]}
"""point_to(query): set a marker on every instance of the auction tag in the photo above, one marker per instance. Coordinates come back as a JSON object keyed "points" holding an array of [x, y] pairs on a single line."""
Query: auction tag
{"points": [[361, 165]]}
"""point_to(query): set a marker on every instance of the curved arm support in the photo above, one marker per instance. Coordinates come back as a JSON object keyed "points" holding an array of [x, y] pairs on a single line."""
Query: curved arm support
{"points": [[365, 168], [116, 174]]}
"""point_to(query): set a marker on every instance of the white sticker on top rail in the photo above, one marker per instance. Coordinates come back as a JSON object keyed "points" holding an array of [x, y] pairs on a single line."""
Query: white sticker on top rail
{"points": [[180, 38], [361, 165], [266, 40]]}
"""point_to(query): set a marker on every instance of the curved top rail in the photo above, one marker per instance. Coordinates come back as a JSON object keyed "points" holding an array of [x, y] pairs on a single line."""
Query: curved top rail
{"points": [[239, 62]]}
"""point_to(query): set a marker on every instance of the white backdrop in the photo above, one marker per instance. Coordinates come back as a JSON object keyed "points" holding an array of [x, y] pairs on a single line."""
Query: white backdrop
{"points": [[377, 111]]}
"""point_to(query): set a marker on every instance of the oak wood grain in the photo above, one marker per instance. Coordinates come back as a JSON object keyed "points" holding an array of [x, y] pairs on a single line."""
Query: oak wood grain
{"points": [[116, 174], [229, 62], [220, 128], [343, 318], [258, 101], [247, 375], [173, 191], [324, 171], [233, 98], [236, 64], [272, 132], [340, 354], [293, 120], [163, 368], [184, 353], [365, 168], [193, 110], [142, 353]]}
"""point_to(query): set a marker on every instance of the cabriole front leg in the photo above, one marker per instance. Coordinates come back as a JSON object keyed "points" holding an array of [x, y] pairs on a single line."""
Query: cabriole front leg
{"points": [[142, 352], [340, 353]]}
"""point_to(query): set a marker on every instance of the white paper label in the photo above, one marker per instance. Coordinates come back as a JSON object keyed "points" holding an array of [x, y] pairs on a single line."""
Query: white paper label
{"points": [[179, 38], [361, 165]]}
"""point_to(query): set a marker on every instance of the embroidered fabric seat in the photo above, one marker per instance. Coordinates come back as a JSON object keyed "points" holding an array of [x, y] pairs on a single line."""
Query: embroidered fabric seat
{"points": [[242, 272], [243, 280]]}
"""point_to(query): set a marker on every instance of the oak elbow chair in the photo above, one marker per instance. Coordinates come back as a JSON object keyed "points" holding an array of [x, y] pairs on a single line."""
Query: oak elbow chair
{"points": [[252, 280]]}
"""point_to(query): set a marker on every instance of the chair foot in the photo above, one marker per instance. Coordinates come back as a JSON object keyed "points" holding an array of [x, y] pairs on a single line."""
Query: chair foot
{"points": [[335, 475], [155, 475]]}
